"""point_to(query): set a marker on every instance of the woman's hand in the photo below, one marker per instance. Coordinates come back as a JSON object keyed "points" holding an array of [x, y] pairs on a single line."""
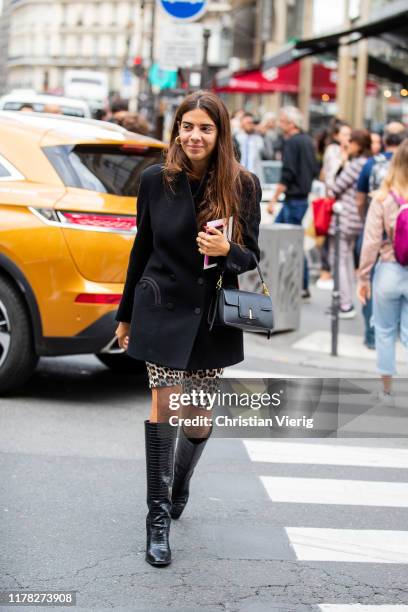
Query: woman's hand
{"points": [[122, 334], [271, 205], [364, 293], [213, 243]]}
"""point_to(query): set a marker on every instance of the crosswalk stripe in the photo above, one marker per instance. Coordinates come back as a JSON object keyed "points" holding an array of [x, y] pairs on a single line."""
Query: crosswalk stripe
{"points": [[349, 545], [272, 451], [350, 345], [336, 491], [363, 608]]}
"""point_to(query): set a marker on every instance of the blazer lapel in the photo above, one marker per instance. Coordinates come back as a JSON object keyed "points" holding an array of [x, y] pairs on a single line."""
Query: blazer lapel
{"points": [[186, 190], [182, 197], [182, 191]]}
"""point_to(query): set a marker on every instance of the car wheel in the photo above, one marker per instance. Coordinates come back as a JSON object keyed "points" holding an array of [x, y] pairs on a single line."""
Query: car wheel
{"points": [[17, 355], [122, 363]]}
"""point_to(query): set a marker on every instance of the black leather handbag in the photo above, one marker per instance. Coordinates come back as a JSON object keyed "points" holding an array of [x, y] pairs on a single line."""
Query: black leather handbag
{"points": [[242, 309]]}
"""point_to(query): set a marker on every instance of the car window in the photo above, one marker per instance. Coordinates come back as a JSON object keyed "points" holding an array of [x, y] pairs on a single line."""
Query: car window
{"points": [[71, 111], [8, 171], [3, 171], [38, 107], [106, 169]]}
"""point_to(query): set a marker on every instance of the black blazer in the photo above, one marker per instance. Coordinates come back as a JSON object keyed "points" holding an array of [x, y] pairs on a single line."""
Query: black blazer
{"points": [[167, 293]]}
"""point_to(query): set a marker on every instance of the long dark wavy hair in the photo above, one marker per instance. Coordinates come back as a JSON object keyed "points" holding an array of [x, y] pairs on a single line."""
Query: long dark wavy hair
{"points": [[226, 177]]}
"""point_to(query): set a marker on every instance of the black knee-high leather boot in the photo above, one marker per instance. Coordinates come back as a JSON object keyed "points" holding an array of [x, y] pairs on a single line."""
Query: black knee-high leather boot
{"points": [[160, 443], [189, 451]]}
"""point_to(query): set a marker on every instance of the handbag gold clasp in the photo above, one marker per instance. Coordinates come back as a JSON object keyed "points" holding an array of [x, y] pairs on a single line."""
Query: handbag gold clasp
{"points": [[219, 282], [265, 289]]}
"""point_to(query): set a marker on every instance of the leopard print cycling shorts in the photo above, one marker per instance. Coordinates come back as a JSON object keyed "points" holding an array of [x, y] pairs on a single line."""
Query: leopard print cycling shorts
{"points": [[205, 380]]}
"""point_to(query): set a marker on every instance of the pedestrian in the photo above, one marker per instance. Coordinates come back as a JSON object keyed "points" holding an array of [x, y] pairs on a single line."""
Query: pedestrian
{"points": [[336, 154], [376, 167], [372, 175], [251, 144], [236, 117], [26, 108], [272, 138], [344, 190], [134, 122], [390, 284], [119, 107], [376, 143], [167, 294], [299, 168], [334, 159], [52, 109]]}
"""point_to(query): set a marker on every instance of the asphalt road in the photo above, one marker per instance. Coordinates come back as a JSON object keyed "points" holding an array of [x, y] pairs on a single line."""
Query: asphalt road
{"points": [[283, 525]]}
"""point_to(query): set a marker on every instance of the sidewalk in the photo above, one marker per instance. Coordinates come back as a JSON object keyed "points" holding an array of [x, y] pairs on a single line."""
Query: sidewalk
{"points": [[309, 348]]}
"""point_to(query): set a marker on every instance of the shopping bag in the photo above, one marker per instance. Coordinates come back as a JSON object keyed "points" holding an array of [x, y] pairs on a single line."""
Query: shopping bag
{"points": [[322, 213]]}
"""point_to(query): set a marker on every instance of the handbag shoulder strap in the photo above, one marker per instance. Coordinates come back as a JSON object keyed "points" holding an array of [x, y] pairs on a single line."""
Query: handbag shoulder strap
{"points": [[265, 289]]}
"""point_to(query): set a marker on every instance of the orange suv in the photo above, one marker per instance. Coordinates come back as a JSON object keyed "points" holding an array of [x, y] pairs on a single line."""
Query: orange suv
{"points": [[67, 224]]}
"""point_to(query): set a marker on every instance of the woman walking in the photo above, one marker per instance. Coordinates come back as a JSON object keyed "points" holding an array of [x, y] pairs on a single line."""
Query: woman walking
{"points": [[167, 295], [336, 154], [385, 235], [344, 190], [334, 159]]}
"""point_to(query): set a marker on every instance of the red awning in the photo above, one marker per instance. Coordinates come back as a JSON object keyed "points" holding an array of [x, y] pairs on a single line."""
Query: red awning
{"points": [[284, 79]]}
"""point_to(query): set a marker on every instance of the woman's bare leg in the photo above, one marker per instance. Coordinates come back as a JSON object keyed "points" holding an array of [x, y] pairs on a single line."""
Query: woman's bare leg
{"points": [[161, 412], [387, 383], [160, 409]]}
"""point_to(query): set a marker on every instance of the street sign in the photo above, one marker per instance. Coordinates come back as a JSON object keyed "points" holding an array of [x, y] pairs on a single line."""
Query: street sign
{"points": [[184, 10], [162, 79], [181, 46]]}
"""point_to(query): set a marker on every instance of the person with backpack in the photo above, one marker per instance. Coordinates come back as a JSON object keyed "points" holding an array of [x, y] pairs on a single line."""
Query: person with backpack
{"points": [[371, 177], [386, 237]]}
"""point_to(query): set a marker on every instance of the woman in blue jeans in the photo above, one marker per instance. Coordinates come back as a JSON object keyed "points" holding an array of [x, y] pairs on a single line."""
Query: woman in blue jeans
{"points": [[390, 286]]}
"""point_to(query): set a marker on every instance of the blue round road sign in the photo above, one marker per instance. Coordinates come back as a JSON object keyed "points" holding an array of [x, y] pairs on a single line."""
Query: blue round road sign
{"points": [[184, 10]]}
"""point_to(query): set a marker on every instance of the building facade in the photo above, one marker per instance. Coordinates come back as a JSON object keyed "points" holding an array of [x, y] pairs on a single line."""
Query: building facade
{"points": [[4, 41], [48, 38]]}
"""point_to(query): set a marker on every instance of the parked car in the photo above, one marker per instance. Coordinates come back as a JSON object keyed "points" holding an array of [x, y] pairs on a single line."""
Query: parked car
{"points": [[18, 99], [67, 224]]}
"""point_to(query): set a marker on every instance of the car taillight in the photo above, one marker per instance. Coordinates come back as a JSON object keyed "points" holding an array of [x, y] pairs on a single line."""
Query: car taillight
{"points": [[91, 220], [96, 222], [133, 148], [98, 298]]}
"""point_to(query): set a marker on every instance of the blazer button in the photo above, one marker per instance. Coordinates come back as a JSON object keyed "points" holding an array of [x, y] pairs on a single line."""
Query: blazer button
{"points": [[200, 280], [169, 305], [197, 310]]}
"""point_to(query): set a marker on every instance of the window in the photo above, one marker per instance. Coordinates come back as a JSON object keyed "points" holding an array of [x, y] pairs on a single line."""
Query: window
{"points": [[8, 172], [106, 169], [38, 107], [4, 173]]}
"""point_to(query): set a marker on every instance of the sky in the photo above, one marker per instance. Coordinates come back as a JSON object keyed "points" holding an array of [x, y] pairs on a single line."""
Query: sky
{"points": [[328, 16]]}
